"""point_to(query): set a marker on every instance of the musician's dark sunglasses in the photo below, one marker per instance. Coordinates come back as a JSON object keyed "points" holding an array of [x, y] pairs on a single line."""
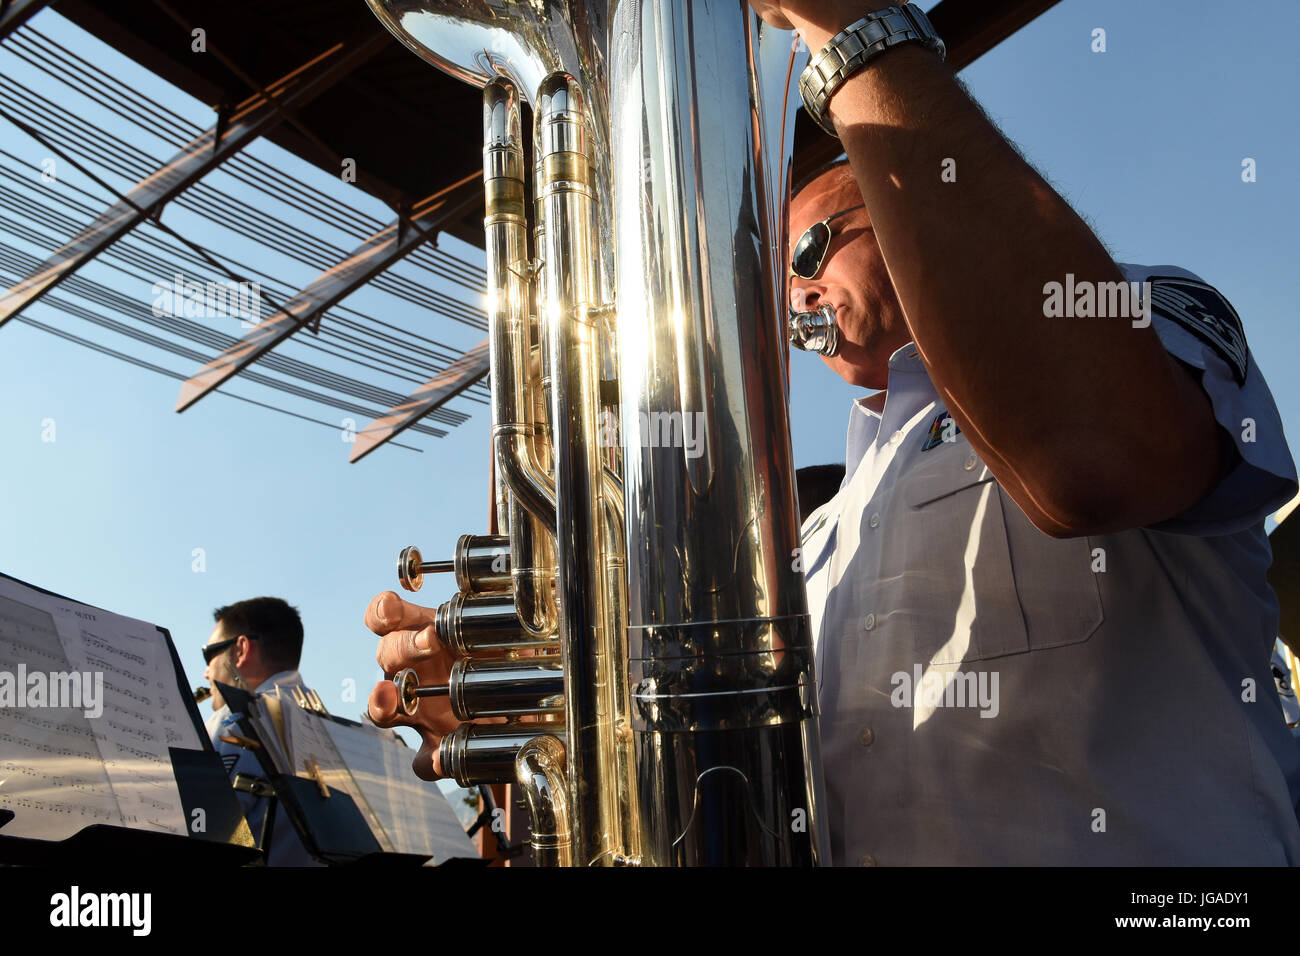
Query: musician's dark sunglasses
{"points": [[810, 250], [210, 651]]}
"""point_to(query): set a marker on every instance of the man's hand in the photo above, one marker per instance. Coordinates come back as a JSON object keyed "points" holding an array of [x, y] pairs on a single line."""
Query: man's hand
{"points": [[816, 22], [772, 12], [408, 639]]}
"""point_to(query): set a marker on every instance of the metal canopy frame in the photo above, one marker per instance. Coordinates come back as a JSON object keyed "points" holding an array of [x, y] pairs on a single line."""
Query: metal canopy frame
{"points": [[371, 258], [248, 121]]}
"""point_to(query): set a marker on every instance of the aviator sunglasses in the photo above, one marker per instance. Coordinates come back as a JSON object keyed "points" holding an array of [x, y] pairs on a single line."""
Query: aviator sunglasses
{"points": [[810, 250]]}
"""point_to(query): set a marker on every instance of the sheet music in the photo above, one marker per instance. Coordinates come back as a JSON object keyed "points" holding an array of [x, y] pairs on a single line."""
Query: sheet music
{"points": [[309, 740], [265, 715], [105, 759], [415, 814]]}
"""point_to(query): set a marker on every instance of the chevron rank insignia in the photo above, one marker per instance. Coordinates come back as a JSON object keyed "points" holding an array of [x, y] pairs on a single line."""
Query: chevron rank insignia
{"points": [[1203, 311], [942, 429]]}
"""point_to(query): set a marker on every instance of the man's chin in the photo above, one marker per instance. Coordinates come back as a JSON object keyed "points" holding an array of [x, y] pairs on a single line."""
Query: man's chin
{"points": [[856, 373]]}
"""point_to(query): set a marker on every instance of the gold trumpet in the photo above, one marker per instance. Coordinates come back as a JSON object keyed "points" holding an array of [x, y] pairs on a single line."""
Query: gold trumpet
{"points": [[641, 622]]}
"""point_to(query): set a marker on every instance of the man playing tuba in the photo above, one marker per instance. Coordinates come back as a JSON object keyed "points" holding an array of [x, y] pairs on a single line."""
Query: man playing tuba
{"points": [[1035, 613], [1038, 599]]}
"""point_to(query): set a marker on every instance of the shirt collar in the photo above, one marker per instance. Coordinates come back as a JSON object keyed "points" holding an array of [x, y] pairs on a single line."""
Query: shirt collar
{"points": [[908, 382], [907, 359]]}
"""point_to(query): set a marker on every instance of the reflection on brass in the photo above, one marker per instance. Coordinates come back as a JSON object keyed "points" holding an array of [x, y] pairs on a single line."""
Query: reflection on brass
{"points": [[472, 624], [411, 568], [485, 753], [481, 563], [409, 691], [815, 330], [644, 488], [539, 771]]}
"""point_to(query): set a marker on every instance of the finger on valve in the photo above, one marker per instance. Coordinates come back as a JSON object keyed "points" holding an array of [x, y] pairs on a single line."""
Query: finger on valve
{"points": [[385, 711], [388, 612]]}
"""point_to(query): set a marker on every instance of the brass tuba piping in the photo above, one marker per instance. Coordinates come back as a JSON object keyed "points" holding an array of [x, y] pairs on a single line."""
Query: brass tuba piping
{"points": [[654, 534]]}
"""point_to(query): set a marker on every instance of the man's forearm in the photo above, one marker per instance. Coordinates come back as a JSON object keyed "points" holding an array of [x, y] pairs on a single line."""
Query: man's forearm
{"points": [[969, 254], [969, 258]]}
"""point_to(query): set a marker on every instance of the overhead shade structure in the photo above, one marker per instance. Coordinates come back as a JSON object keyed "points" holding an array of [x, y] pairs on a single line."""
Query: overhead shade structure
{"points": [[273, 80], [460, 375], [193, 162], [370, 259]]}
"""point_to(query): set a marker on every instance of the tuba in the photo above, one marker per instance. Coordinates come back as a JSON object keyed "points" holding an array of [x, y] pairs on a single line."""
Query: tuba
{"points": [[640, 620]]}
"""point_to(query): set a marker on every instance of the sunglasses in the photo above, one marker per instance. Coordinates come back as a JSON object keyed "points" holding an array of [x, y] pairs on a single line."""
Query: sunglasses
{"points": [[810, 250], [210, 651]]}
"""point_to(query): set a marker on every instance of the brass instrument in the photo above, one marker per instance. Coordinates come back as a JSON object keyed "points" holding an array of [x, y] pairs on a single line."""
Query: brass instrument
{"points": [[201, 694], [642, 621]]}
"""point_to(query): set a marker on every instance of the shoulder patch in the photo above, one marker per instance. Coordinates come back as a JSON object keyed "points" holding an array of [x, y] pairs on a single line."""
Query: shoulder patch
{"points": [[1202, 310]]}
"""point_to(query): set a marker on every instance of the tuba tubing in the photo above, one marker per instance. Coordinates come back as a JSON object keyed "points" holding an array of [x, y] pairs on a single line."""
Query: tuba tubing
{"points": [[473, 754], [641, 434]]}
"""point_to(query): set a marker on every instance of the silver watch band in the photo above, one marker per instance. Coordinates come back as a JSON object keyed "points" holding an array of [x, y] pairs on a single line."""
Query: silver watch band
{"points": [[857, 44]]}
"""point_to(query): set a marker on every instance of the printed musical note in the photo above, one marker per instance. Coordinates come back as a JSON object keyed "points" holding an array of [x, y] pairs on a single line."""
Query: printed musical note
{"points": [[102, 664], [94, 641]]}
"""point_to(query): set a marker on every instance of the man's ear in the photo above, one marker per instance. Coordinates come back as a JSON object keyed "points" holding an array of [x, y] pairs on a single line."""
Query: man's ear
{"points": [[243, 651]]}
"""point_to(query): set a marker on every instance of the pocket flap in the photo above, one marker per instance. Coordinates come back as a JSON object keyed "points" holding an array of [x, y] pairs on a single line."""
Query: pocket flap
{"points": [[953, 469]]}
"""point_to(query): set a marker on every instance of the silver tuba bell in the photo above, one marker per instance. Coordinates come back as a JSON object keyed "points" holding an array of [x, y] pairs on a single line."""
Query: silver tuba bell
{"points": [[650, 642]]}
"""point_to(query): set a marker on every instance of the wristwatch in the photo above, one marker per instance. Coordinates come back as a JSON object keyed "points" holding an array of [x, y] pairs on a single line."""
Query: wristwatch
{"points": [[855, 46]]}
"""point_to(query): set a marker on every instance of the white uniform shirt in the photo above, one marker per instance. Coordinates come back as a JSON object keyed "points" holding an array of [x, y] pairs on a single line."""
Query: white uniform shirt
{"points": [[992, 695]]}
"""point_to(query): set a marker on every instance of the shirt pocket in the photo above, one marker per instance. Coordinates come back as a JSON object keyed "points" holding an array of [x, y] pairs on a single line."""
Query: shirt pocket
{"points": [[1056, 585], [946, 584], [985, 581]]}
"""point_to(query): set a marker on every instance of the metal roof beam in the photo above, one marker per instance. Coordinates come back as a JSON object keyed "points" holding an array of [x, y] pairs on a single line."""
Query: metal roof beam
{"points": [[245, 123], [367, 261], [439, 390], [970, 28]]}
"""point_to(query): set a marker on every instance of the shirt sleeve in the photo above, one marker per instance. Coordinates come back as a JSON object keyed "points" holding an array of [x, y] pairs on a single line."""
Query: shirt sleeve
{"points": [[1197, 325]]}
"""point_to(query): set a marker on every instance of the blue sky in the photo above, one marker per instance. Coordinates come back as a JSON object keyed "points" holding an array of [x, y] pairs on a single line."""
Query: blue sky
{"points": [[1146, 140]]}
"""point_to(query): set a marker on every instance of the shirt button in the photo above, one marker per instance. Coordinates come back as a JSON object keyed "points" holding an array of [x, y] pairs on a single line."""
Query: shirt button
{"points": [[867, 737], [866, 860], [971, 462], [895, 438], [875, 520], [869, 622]]}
